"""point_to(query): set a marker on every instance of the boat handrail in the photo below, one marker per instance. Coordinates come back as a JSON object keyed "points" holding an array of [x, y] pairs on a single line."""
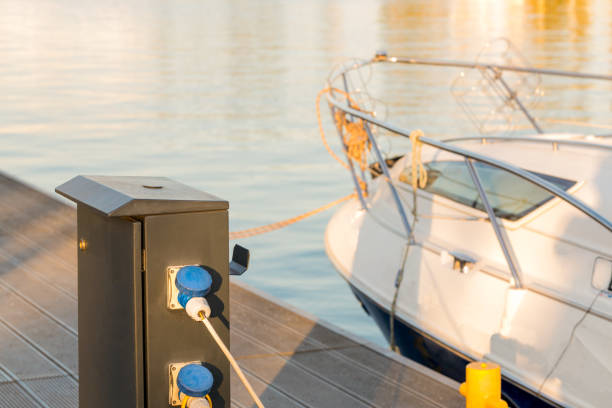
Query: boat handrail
{"points": [[499, 67], [554, 142], [493, 71], [551, 188], [469, 156], [383, 58]]}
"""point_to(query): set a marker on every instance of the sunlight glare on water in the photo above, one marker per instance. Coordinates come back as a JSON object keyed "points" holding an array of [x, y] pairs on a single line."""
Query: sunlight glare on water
{"points": [[220, 95]]}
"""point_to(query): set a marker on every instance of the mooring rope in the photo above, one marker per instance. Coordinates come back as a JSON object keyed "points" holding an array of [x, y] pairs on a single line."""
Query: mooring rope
{"points": [[418, 171], [357, 145], [280, 224], [322, 132], [353, 133]]}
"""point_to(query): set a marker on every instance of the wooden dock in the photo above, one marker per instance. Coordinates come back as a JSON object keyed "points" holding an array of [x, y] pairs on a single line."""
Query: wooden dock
{"points": [[291, 359]]}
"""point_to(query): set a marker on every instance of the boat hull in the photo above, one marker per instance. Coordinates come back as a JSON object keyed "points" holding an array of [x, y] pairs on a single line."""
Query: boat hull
{"points": [[552, 351], [424, 349]]}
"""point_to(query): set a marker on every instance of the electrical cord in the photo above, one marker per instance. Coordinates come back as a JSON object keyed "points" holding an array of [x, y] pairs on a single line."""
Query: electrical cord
{"points": [[231, 359]]}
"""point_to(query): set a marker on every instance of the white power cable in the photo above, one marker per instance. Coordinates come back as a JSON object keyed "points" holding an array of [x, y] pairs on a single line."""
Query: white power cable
{"points": [[198, 309], [231, 359], [195, 306]]}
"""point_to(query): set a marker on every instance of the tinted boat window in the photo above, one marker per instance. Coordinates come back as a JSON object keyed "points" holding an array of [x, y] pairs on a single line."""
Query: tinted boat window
{"points": [[510, 196]]}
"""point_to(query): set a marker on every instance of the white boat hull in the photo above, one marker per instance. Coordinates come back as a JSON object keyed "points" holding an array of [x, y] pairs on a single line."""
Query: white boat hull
{"points": [[551, 339]]}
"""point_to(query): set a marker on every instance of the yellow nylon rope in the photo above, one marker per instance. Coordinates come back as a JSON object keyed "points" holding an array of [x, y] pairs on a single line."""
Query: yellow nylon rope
{"points": [[357, 144], [329, 150], [418, 172], [187, 398], [277, 225], [355, 138], [354, 135]]}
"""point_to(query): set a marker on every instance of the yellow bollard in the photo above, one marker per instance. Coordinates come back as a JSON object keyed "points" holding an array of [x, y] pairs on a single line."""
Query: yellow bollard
{"points": [[482, 386]]}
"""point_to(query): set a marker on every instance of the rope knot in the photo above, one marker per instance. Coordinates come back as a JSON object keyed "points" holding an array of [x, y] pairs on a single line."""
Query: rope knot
{"points": [[355, 138]]}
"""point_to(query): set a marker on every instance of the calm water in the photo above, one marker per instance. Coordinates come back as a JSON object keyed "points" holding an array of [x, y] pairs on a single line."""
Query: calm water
{"points": [[220, 95]]}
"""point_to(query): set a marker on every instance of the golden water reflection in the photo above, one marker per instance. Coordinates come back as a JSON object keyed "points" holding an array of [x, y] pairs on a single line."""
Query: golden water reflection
{"points": [[220, 95]]}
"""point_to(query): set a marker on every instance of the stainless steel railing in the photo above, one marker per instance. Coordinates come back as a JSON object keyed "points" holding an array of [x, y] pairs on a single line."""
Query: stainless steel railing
{"points": [[468, 155]]}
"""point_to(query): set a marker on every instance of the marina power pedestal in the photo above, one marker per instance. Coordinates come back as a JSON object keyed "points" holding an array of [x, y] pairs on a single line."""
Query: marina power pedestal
{"points": [[134, 233]]}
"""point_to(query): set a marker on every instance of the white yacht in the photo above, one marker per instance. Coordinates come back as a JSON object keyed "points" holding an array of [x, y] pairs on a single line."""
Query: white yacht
{"points": [[484, 248]]}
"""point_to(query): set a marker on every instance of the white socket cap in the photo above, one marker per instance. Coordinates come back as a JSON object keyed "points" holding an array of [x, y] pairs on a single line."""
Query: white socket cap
{"points": [[195, 306]]}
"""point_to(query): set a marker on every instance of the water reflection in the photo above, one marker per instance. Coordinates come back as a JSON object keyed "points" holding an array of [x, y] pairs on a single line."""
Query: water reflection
{"points": [[220, 95]]}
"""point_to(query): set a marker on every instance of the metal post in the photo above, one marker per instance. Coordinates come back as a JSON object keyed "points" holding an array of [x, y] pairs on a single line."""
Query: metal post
{"points": [[350, 163], [345, 84], [505, 246], [473, 65], [524, 174], [512, 95], [385, 170], [351, 119], [133, 233]]}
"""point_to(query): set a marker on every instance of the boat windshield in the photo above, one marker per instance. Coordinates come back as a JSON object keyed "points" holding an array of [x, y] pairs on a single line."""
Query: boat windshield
{"points": [[510, 196]]}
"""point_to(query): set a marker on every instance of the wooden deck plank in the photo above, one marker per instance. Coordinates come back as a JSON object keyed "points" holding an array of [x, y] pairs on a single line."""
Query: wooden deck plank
{"points": [[57, 305], [34, 239], [21, 360], [284, 374], [29, 323], [59, 251], [247, 318], [283, 316], [41, 267], [359, 370], [291, 359], [57, 392], [396, 373], [13, 396], [270, 396]]}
